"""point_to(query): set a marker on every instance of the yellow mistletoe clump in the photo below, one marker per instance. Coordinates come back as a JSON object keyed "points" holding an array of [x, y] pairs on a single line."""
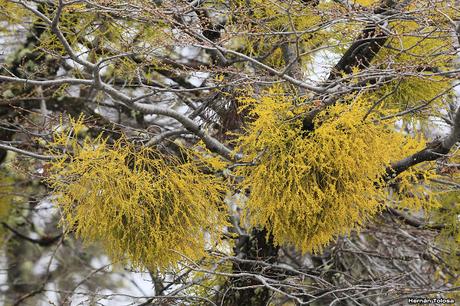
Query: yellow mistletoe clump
{"points": [[306, 189], [139, 204]]}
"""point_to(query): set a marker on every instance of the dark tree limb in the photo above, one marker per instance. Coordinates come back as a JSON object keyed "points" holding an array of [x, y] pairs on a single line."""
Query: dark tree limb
{"points": [[253, 249], [359, 55], [43, 241], [434, 150], [412, 221]]}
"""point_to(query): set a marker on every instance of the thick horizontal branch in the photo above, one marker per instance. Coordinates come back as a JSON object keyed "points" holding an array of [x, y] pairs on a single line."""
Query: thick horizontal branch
{"points": [[28, 153], [409, 220], [44, 241], [67, 81], [433, 151]]}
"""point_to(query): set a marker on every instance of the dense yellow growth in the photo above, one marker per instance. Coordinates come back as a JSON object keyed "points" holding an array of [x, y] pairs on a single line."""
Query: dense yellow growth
{"points": [[419, 93], [139, 204], [256, 23], [6, 199], [366, 2], [449, 236], [418, 45], [307, 189]]}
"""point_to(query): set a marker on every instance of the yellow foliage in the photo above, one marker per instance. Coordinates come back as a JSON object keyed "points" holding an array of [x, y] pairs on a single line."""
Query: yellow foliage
{"points": [[261, 19], [6, 198], [410, 92], [208, 280], [209, 159], [411, 189], [449, 237], [11, 15], [418, 45], [136, 202], [306, 189], [367, 2]]}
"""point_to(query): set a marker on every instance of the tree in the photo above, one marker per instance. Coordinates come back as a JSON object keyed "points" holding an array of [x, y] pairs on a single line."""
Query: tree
{"points": [[242, 152]]}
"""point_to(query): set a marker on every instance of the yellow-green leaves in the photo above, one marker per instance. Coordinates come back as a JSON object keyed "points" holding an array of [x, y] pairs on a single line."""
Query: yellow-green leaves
{"points": [[366, 2], [6, 199], [447, 217], [265, 28], [418, 45], [307, 189], [141, 205], [424, 94]]}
